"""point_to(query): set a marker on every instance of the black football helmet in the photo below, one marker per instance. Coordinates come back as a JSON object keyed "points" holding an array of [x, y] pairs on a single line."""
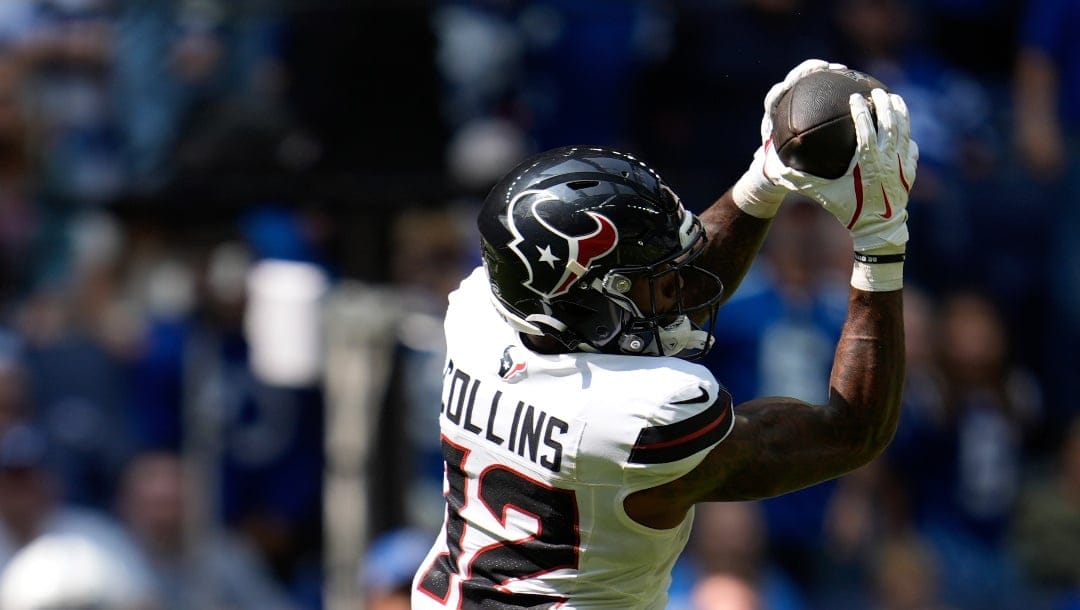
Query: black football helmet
{"points": [[569, 238]]}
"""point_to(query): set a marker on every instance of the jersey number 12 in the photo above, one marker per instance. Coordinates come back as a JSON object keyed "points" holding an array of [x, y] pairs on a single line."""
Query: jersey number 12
{"points": [[498, 488]]}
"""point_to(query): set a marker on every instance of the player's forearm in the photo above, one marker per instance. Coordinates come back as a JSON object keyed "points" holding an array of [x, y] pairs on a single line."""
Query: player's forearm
{"points": [[781, 445], [868, 373], [735, 238], [785, 444]]}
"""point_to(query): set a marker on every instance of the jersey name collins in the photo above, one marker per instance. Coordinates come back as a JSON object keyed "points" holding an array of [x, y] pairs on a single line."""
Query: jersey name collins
{"points": [[520, 428]]}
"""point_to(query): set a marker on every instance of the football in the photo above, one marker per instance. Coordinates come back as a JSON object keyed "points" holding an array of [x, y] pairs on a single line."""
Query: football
{"points": [[812, 127]]}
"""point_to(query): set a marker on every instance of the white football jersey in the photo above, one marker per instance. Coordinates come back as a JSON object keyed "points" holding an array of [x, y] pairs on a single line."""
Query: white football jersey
{"points": [[541, 451]]}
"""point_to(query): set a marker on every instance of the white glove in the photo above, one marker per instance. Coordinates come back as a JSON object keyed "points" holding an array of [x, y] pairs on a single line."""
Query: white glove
{"points": [[871, 198], [754, 192]]}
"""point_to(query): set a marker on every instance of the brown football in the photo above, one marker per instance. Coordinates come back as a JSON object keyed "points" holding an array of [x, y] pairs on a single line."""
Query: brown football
{"points": [[813, 130]]}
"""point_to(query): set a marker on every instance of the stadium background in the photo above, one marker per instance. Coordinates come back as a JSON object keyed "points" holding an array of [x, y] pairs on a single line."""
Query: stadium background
{"points": [[227, 229]]}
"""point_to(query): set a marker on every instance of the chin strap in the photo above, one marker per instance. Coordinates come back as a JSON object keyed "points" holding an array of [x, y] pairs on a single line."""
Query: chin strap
{"points": [[680, 336]]}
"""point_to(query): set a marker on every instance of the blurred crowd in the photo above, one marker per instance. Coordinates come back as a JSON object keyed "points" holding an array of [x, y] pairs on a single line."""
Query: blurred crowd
{"points": [[184, 183]]}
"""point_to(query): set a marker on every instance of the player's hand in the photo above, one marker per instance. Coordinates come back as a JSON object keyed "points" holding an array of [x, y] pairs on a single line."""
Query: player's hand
{"points": [[755, 193], [871, 198]]}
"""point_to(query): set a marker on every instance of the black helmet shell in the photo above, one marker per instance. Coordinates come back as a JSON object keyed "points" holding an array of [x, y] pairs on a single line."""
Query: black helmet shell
{"points": [[565, 218]]}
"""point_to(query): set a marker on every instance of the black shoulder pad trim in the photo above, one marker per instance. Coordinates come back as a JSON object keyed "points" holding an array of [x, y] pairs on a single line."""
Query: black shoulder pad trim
{"points": [[677, 440]]}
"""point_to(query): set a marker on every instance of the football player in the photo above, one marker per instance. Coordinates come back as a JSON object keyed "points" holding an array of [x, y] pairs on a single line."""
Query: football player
{"points": [[577, 433]]}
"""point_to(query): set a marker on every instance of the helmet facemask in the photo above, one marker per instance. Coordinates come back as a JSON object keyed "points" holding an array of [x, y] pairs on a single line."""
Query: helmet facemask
{"points": [[670, 303]]}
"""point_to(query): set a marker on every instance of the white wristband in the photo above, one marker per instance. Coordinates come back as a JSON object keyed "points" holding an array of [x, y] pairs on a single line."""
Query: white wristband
{"points": [[755, 194], [877, 277]]}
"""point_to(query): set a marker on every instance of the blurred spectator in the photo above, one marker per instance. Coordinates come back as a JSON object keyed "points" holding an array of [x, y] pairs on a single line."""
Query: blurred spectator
{"points": [[559, 69], [962, 446], [189, 569], [581, 59], [75, 572], [1046, 530], [726, 592], [923, 426], [1047, 132], [858, 516], [25, 491], [30, 505], [924, 378], [12, 393], [19, 218], [67, 48], [430, 257], [80, 339], [190, 75], [1042, 106], [389, 564], [482, 151], [479, 54], [905, 574], [729, 565], [996, 404], [431, 253]]}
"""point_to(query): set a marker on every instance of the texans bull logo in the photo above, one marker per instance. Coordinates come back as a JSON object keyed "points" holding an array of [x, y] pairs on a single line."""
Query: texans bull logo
{"points": [[555, 259]]}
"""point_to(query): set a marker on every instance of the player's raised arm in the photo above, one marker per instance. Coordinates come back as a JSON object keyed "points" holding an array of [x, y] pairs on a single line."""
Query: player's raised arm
{"points": [[778, 445]]}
